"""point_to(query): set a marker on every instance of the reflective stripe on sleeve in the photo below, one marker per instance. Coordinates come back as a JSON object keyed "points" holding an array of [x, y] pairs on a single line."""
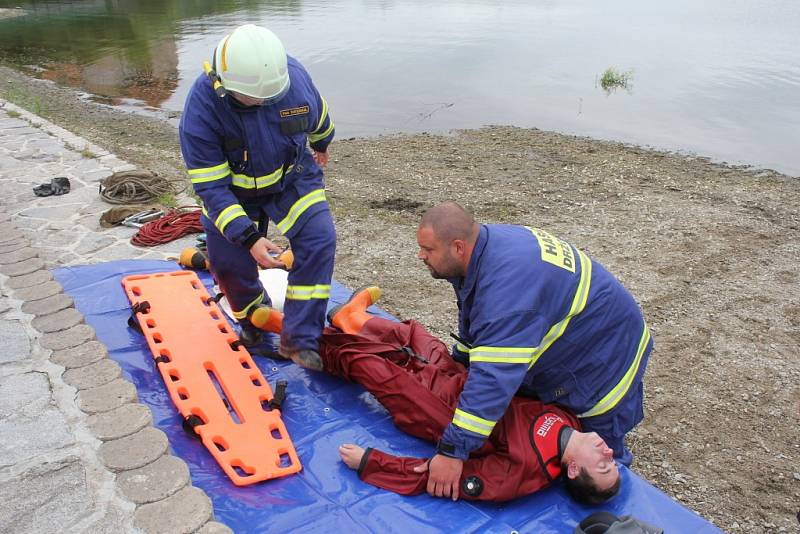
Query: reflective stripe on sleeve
{"points": [[501, 354], [299, 207], [227, 215], [319, 291], [578, 304], [613, 397], [209, 174], [473, 423], [462, 348], [322, 115], [313, 138]]}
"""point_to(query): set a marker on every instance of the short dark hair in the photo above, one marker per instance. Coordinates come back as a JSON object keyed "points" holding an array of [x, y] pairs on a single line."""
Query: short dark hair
{"points": [[450, 221], [583, 489]]}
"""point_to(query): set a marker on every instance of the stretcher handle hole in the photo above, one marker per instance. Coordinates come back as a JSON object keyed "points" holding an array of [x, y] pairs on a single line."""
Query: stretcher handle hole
{"points": [[284, 460], [235, 344], [275, 433], [150, 323], [195, 284], [220, 443], [214, 315], [137, 291], [242, 470], [157, 338], [222, 328], [183, 394], [256, 382], [174, 376], [245, 363]]}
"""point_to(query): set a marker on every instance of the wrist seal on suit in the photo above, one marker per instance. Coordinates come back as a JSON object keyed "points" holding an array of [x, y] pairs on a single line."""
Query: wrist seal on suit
{"points": [[446, 449], [251, 235]]}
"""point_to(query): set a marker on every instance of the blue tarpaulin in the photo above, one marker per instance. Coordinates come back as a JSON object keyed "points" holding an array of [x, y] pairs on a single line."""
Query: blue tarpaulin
{"points": [[320, 413]]}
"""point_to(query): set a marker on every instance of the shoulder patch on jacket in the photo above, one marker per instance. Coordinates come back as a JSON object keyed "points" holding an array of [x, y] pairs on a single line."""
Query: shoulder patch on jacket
{"points": [[291, 112]]}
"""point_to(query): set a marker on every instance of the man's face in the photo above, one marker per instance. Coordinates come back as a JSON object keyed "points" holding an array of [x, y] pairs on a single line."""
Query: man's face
{"points": [[438, 256], [247, 100], [597, 459]]}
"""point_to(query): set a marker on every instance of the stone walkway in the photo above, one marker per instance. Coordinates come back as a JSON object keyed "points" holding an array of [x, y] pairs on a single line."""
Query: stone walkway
{"points": [[78, 453]]}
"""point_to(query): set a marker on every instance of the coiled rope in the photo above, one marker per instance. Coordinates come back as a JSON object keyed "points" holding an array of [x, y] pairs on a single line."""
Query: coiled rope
{"points": [[137, 187]]}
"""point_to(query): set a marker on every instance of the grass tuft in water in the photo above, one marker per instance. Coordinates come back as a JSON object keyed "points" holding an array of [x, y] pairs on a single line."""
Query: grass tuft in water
{"points": [[613, 79]]}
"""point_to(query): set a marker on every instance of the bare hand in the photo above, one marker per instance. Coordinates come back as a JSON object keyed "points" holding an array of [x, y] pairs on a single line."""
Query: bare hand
{"points": [[321, 158], [444, 477], [351, 455], [261, 253]]}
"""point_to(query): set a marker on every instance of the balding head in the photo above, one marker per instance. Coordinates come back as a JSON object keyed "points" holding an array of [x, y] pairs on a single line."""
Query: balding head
{"points": [[450, 221], [446, 238]]}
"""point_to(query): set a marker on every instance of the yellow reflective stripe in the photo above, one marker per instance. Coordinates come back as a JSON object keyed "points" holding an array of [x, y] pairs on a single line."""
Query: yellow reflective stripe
{"points": [[319, 291], [501, 354], [473, 423], [323, 114], [299, 207], [242, 314], [578, 304], [249, 182], [461, 348], [209, 174], [313, 138], [227, 215], [613, 397]]}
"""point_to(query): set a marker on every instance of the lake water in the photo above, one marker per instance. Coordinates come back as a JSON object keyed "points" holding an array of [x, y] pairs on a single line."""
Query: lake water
{"points": [[719, 78]]}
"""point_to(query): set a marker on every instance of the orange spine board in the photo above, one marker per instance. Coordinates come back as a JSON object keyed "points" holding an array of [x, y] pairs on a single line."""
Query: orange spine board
{"points": [[206, 377]]}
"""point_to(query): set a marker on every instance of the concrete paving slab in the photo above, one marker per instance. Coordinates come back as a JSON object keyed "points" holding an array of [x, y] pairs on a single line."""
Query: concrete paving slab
{"points": [[39, 291], [23, 267], [47, 305], [213, 527], [134, 451], [57, 321], [156, 481], [28, 280], [79, 356], [181, 513], [119, 422], [94, 375], [17, 255], [107, 397], [17, 245], [71, 337]]}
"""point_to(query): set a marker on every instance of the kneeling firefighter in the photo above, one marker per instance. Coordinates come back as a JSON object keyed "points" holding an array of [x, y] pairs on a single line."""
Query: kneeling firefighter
{"points": [[244, 133]]}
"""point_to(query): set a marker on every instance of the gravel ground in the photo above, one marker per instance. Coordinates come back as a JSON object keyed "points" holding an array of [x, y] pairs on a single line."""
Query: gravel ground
{"points": [[710, 252]]}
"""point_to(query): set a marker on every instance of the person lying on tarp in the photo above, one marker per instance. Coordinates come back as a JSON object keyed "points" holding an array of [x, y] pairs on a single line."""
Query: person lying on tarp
{"points": [[412, 375]]}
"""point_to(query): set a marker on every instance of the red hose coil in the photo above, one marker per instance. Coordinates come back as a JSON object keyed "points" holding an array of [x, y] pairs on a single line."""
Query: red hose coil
{"points": [[175, 224]]}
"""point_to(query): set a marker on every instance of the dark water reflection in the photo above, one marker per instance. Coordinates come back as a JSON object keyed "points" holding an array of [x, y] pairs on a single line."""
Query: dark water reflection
{"points": [[720, 77]]}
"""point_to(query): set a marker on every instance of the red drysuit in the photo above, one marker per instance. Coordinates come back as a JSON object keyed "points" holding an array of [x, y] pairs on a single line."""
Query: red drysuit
{"points": [[521, 455]]}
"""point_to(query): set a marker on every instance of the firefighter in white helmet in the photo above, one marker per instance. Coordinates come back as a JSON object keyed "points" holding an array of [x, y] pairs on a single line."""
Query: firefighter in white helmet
{"points": [[247, 126]]}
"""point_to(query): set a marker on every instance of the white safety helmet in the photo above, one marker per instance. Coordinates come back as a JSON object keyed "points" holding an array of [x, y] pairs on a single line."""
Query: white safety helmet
{"points": [[251, 60]]}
